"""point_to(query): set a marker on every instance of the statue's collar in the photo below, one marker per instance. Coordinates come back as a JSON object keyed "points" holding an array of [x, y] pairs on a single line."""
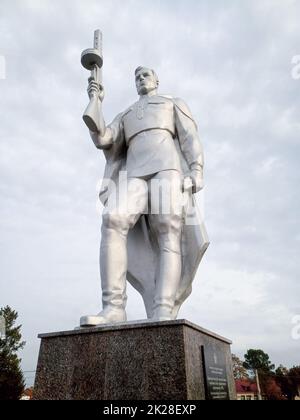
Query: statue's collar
{"points": [[148, 95]]}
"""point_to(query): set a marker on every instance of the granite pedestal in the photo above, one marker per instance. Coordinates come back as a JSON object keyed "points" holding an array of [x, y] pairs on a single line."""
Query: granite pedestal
{"points": [[170, 360]]}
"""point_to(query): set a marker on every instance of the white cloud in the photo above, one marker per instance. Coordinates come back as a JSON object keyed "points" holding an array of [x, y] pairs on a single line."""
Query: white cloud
{"points": [[232, 64]]}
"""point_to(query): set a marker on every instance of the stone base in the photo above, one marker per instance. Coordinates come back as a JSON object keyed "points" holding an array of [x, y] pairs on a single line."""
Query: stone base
{"points": [[170, 360]]}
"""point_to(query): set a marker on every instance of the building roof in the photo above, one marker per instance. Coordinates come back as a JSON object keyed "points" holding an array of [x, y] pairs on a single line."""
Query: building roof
{"points": [[28, 392], [245, 386]]}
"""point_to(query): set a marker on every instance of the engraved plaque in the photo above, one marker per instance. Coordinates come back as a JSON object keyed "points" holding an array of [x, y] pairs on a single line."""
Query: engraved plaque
{"points": [[216, 382]]}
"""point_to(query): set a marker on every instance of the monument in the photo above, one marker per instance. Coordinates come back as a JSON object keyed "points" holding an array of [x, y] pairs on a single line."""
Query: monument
{"points": [[153, 237], [156, 144]]}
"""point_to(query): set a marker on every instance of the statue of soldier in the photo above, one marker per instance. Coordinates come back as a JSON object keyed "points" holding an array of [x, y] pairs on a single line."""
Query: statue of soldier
{"points": [[155, 139]]}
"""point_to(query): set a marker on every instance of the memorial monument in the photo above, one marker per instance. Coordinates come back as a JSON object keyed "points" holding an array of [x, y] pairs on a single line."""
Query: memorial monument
{"points": [[145, 237], [152, 236]]}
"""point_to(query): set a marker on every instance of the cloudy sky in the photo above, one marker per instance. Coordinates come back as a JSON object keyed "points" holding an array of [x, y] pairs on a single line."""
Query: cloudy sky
{"points": [[232, 62]]}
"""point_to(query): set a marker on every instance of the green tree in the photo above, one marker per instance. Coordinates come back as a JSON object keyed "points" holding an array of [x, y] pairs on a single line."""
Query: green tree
{"points": [[258, 360], [281, 371], [294, 374], [285, 382], [11, 377], [239, 371]]}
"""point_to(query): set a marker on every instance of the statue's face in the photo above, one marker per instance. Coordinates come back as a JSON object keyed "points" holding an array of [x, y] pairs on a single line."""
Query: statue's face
{"points": [[145, 81]]}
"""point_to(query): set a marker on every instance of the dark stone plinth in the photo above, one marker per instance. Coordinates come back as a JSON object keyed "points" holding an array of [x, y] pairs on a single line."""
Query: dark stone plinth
{"points": [[143, 360]]}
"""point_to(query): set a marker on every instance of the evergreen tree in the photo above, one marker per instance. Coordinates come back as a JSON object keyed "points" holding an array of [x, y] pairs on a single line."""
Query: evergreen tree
{"points": [[11, 377], [258, 360]]}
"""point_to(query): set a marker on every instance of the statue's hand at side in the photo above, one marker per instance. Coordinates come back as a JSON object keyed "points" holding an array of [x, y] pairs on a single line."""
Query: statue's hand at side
{"points": [[95, 89], [196, 175]]}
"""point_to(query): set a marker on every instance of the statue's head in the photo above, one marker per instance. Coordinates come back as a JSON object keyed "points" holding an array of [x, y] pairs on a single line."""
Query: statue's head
{"points": [[146, 80]]}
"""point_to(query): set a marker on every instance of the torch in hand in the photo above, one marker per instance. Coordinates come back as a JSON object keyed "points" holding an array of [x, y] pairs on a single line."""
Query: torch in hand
{"points": [[92, 60]]}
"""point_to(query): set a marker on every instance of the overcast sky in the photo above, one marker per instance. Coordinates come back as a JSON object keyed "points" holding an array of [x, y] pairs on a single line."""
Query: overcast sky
{"points": [[231, 62]]}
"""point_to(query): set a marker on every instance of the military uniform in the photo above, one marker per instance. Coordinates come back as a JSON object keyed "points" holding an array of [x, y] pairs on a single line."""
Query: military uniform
{"points": [[149, 128], [154, 134]]}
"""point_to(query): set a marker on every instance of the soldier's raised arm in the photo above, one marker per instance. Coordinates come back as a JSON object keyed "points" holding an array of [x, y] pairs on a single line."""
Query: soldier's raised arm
{"points": [[102, 136], [92, 59]]}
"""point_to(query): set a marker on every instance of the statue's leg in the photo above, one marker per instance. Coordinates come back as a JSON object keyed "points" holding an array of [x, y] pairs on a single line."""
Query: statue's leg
{"points": [[166, 220], [117, 219]]}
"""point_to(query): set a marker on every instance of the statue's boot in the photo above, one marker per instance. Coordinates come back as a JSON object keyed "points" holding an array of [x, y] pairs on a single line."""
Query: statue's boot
{"points": [[109, 315], [167, 280], [163, 313], [113, 267]]}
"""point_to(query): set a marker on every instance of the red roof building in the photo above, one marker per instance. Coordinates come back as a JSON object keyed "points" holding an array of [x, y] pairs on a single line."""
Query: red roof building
{"points": [[246, 390]]}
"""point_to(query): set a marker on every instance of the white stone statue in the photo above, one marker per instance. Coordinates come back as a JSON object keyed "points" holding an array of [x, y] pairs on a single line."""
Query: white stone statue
{"points": [[154, 143]]}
